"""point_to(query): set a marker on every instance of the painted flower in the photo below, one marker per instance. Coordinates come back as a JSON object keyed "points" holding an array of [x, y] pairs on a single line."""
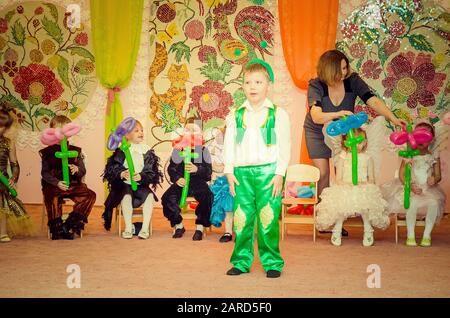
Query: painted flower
{"points": [[391, 46], [166, 12], [10, 68], [81, 39], [36, 23], [369, 110], [357, 50], [3, 25], [371, 69], [397, 28], [211, 100], [38, 83], [349, 30], [48, 47], [194, 30], [36, 56], [39, 10], [413, 79], [204, 51]]}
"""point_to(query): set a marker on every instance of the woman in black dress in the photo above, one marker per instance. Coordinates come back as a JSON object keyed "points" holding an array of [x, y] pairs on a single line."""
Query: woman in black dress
{"points": [[330, 96]]}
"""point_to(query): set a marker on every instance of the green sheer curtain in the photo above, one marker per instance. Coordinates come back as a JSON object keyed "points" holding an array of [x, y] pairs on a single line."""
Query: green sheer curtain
{"points": [[116, 33]]}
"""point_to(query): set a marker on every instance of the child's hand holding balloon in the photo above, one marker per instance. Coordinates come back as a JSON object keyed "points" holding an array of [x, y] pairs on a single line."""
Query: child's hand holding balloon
{"points": [[181, 182], [73, 169], [62, 185], [191, 167]]}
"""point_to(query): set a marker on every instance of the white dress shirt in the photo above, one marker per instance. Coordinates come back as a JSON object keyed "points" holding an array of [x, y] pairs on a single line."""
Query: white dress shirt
{"points": [[253, 150]]}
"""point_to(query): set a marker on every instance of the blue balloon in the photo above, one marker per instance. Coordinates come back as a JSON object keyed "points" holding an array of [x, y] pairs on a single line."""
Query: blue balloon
{"points": [[343, 125], [305, 192]]}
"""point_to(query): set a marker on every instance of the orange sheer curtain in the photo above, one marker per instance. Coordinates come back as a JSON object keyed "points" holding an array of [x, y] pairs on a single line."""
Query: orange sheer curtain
{"points": [[308, 28]]}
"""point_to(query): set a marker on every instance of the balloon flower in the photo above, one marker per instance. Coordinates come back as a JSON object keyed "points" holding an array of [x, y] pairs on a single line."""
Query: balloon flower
{"points": [[117, 139], [52, 136], [345, 126], [186, 142], [411, 138]]}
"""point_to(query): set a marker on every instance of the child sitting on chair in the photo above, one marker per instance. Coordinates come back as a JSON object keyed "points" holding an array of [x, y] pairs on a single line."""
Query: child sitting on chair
{"points": [[344, 200], [146, 165], [426, 196], [55, 190], [200, 169]]}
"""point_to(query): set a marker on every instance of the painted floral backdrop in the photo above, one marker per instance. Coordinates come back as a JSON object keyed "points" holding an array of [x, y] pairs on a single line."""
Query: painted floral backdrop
{"points": [[46, 67], [400, 47], [198, 50]]}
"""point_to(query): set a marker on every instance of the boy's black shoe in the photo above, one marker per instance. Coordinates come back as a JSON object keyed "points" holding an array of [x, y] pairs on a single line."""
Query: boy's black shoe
{"points": [[179, 233], [226, 238], [273, 274], [234, 271], [198, 235]]}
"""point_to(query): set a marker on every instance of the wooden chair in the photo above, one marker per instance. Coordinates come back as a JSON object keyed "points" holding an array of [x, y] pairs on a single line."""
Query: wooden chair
{"points": [[137, 213], [299, 173]]}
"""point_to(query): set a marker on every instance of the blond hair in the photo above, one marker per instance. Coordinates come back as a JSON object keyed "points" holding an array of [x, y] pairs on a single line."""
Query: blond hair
{"points": [[329, 66], [357, 132], [256, 67]]}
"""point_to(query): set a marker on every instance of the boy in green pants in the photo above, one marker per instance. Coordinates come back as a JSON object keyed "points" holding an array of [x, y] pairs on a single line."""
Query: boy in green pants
{"points": [[257, 153]]}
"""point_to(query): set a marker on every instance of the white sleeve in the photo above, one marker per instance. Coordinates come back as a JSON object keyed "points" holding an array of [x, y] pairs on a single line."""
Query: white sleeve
{"points": [[283, 133], [229, 143]]}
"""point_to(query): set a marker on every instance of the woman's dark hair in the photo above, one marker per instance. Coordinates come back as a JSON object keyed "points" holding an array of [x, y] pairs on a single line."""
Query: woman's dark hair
{"points": [[329, 66]]}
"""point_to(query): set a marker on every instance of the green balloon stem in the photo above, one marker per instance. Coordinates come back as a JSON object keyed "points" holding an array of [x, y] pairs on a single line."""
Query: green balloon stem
{"points": [[408, 153], [187, 155], [5, 181], [125, 147], [64, 155]]}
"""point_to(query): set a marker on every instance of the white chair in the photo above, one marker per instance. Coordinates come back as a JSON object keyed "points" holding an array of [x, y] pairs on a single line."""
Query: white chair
{"points": [[299, 173]]}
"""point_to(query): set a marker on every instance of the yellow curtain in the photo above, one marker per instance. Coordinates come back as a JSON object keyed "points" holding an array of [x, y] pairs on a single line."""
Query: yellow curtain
{"points": [[116, 32], [308, 28]]}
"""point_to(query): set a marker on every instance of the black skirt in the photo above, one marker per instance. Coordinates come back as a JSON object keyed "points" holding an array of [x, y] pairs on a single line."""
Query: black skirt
{"points": [[315, 140]]}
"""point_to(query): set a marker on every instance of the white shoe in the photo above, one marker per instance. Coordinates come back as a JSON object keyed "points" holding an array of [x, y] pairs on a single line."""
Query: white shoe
{"points": [[127, 235], [5, 239], [144, 234], [368, 239], [336, 239]]}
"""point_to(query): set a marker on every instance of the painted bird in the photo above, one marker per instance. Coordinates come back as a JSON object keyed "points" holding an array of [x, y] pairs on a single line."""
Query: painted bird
{"points": [[253, 26]]}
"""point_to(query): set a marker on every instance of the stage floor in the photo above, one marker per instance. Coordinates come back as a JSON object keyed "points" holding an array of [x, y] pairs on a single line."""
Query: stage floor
{"points": [[164, 267]]}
